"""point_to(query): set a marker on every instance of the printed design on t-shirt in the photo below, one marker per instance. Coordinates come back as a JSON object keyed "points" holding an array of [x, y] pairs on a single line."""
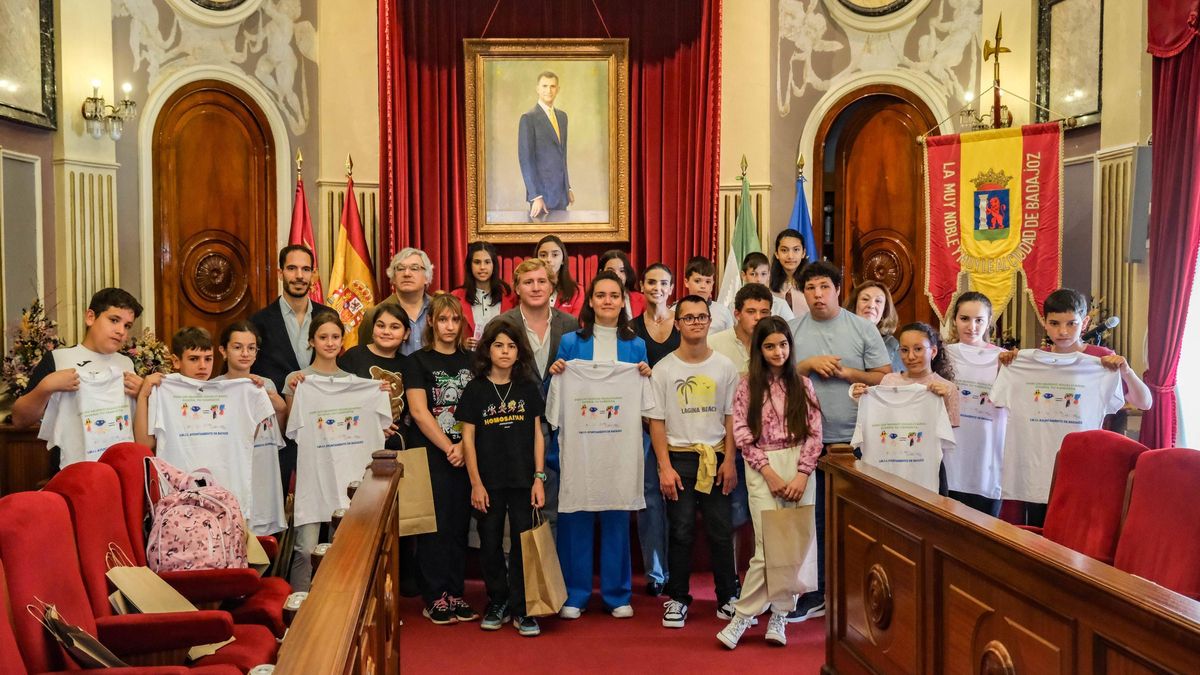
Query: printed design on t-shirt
{"points": [[1055, 402], [265, 435], [900, 442], [336, 427], [696, 394], [202, 415], [975, 400], [592, 410], [105, 421], [395, 388], [447, 392], [504, 414]]}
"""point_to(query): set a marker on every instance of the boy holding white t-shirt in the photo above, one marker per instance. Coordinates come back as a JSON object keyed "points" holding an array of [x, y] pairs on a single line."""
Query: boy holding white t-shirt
{"points": [[691, 429]]}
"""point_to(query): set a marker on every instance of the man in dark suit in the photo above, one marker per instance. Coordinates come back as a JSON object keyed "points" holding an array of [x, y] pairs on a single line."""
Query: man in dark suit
{"points": [[283, 327], [544, 326], [542, 150]]}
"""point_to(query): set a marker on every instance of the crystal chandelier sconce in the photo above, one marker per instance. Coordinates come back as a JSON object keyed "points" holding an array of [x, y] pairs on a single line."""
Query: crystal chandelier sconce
{"points": [[101, 118]]}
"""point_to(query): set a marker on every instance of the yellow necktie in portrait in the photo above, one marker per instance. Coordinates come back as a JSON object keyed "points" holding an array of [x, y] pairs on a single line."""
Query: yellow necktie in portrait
{"points": [[554, 123]]}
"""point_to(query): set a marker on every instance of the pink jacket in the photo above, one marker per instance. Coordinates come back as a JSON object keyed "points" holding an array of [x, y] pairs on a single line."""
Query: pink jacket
{"points": [[774, 427]]}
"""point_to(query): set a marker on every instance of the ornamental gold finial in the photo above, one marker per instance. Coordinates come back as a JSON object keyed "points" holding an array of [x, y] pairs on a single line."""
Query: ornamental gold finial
{"points": [[745, 165], [299, 162], [349, 166], [799, 162]]}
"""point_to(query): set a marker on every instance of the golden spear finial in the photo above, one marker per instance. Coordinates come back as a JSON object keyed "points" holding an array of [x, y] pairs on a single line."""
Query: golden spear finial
{"points": [[799, 162], [299, 163], [745, 165], [349, 166]]}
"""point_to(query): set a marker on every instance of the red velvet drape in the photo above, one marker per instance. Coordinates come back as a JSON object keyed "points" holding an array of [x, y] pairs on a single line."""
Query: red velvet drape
{"points": [[1174, 222], [674, 95]]}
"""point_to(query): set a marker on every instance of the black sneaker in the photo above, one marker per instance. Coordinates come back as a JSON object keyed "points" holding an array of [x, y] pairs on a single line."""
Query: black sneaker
{"points": [[494, 616], [527, 626], [462, 611], [654, 589], [439, 611], [810, 606]]}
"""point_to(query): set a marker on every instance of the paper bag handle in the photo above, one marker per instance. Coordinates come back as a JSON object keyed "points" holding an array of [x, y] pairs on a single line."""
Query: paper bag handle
{"points": [[116, 557]]}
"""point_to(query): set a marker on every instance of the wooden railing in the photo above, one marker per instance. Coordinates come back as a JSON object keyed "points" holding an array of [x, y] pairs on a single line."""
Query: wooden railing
{"points": [[918, 583], [349, 622]]}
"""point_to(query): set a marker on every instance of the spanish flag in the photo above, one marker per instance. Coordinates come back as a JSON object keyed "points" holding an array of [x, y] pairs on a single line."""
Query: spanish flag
{"points": [[302, 233], [352, 281], [994, 207]]}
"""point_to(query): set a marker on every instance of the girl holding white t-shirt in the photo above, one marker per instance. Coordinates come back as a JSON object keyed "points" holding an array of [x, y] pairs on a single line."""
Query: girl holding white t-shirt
{"points": [[605, 336], [973, 466], [777, 427]]}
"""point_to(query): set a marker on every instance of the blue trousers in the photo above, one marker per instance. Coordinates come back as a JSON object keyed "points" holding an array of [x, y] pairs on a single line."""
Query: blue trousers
{"points": [[652, 522], [576, 532]]}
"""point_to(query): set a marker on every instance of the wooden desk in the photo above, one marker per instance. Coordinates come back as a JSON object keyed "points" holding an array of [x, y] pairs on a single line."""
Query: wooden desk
{"points": [[349, 622], [25, 464], [918, 583]]}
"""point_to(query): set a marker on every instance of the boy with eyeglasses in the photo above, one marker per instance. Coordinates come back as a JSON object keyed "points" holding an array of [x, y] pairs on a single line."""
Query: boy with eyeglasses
{"points": [[691, 429]]}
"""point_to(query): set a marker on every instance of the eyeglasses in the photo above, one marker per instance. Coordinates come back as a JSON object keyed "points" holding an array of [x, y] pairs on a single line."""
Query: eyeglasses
{"points": [[689, 319], [410, 268]]}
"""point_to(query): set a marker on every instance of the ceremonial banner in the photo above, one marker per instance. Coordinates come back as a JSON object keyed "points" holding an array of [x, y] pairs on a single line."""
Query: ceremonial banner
{"points": [[994, 205], [302, 233], [352, 280]]}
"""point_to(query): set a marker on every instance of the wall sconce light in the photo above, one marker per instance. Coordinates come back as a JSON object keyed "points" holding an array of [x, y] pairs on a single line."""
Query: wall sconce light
{"points": [[100, 118]]}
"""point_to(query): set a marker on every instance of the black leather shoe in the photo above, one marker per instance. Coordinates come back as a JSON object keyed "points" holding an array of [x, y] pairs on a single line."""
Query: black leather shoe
{"points": [[654, 589]]}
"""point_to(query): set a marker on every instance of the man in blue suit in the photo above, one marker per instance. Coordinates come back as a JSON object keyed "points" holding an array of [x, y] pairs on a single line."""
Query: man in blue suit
{"points": [[542, 150]]}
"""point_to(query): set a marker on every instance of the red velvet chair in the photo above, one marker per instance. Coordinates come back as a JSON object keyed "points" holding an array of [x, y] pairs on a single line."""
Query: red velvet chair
{"points": [[12, 663], [248, 596], [93, 494], [1088, 493], [41, 562], [1160, 539]]}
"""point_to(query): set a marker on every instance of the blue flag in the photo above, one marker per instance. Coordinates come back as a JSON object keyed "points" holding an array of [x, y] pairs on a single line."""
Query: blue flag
{"points": [[801, 221]]}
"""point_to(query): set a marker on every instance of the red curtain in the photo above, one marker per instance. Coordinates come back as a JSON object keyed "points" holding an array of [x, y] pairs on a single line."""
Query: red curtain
{"points": [[1174, 219], [674, 95]]}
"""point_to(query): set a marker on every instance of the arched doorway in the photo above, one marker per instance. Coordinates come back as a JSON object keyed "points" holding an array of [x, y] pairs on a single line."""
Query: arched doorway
{"points": [[869, 188], [214, 207]]}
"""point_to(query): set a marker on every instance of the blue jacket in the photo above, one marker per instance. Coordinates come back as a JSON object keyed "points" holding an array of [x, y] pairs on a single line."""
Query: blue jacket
{"points": [[543, 157], [575, 346]]}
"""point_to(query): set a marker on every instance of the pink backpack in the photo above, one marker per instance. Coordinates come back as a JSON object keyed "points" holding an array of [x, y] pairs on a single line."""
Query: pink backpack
{"points": [[197, 523]]}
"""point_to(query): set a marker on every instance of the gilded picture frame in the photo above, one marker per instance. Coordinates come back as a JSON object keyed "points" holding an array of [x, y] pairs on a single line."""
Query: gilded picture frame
{"points": [[537, 168]]}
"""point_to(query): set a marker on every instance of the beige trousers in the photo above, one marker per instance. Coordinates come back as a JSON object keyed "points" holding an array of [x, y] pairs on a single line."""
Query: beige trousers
{"points": [[754, 599]]}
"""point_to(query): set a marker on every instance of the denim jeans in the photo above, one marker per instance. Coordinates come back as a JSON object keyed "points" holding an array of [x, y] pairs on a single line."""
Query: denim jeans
{"points": [[652, 522]]}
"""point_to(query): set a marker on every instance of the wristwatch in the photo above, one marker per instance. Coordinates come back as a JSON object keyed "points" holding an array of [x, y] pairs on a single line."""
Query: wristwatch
{"points": [[540, 475]]}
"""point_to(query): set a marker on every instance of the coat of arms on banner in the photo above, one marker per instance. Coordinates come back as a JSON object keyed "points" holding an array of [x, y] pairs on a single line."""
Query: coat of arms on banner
{"points": [[991, 205]]}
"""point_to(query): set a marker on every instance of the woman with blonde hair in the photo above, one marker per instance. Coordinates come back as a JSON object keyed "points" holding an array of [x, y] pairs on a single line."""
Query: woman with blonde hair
{"points": [[873, 301]]}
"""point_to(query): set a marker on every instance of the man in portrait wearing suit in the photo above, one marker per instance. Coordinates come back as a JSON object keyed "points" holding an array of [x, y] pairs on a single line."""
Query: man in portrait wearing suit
{"points": [[283, 328], [542, 149]]}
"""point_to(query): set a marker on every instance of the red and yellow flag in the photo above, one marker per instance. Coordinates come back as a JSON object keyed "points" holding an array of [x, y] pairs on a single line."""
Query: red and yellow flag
{"points": [[994, 205], [302, 233], [352, 281]]}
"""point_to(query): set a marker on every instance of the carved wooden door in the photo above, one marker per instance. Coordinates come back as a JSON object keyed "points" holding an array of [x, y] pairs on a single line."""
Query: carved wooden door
{"points": [[881, 206], [214, 208]]}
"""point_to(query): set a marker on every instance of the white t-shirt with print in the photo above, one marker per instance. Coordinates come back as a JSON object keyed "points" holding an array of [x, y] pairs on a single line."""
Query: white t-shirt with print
{"points": [[199, 424], [904, 430], [1048, 396], [693, 399], [337, 422], [974, 465], [598, 408], [265, 512], [102, 418], [64, 406]]}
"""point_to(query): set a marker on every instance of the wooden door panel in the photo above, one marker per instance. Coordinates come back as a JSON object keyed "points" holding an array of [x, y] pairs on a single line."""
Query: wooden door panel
{"points": [[214, 200], [881, 201]]}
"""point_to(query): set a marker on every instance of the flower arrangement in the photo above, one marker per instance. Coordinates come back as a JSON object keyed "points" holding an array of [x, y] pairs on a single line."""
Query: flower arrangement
{"points": [[36, 335], [148, 353]]}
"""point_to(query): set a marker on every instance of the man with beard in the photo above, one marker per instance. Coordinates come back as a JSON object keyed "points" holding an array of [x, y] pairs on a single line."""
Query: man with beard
{"points": [[283, 323]]}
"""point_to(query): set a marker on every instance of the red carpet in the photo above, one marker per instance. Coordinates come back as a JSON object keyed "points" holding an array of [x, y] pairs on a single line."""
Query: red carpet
{"points": [[598, 643]]}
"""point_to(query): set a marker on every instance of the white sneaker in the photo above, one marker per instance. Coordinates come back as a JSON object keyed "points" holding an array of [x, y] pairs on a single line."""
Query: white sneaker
{"points": [[777, 629], [730, 634], [569, 612], [675, 614]]}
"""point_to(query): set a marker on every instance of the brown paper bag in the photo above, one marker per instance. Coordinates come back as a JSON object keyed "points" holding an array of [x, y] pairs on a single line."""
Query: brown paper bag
{"points": [[545, 590], [414, 496], [788, 537], [256, 555]]}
